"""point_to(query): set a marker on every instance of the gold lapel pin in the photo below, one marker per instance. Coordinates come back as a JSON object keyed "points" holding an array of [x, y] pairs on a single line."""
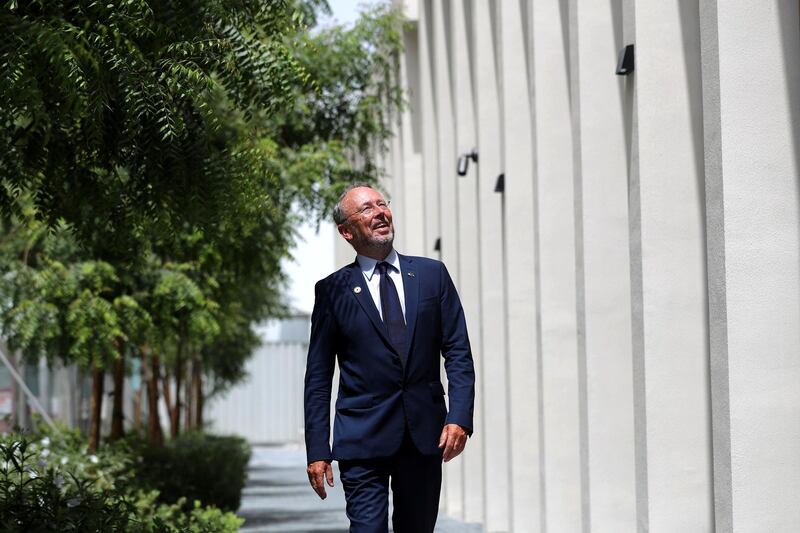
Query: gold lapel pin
{"points": [[356, 290], [411, 274]]}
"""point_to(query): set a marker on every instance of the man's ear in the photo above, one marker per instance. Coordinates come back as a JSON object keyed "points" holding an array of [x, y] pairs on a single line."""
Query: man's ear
{"points": [[344, 232]]}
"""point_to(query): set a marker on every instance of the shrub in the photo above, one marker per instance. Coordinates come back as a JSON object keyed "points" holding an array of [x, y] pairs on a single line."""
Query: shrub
{"points": [[151, 514], [52, 485], [111, 467], [36, 496], [197, 466]]}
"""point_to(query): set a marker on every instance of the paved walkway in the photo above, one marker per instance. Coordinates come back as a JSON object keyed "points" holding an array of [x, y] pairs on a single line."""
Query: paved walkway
{"points": [[278, 498]]}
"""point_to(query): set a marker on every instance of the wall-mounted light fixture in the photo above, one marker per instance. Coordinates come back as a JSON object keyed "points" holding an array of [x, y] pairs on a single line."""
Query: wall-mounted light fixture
{"points": [[500, 184], [463, 161], [437, 246], [625, 62]]}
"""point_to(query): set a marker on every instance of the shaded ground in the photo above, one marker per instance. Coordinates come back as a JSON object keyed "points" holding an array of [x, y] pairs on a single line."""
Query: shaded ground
{"points": [[278, 498]]}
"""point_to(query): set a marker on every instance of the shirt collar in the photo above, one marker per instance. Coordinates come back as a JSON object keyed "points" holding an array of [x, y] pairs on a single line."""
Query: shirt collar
{"points": [[368, 264]]}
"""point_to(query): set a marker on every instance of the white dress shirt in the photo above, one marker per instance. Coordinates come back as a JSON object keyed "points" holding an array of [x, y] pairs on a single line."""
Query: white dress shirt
{"points": [[373, 279]]}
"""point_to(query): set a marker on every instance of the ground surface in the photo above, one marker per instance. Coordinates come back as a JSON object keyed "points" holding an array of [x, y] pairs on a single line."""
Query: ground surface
{"points": [[278, 498]]}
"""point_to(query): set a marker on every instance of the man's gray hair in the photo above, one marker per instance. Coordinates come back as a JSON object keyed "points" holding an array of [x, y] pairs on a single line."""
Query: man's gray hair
{"points": [[338, 214]]}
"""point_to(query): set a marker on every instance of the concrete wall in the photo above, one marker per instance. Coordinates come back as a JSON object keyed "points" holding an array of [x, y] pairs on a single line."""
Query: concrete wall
{"points": [[751, 103], [633, 294]]}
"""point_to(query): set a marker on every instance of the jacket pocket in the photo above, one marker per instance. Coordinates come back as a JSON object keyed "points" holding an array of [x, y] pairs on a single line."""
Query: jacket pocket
{"points": [[354, 402]]}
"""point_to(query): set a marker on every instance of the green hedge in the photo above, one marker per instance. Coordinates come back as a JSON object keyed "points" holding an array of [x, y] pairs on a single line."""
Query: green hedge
{"points": [[197, 466], [50, 483], [36, 496]]}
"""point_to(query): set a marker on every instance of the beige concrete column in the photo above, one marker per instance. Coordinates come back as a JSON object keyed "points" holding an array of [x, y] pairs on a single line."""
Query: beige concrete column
{"points": [[448, 232], [494, 356], [670, 331], [430, 157], [469, 286], [445, 140], [396, 177], [603, 270], [522, 298], [556, 220], [413, 225], [751, 99]]}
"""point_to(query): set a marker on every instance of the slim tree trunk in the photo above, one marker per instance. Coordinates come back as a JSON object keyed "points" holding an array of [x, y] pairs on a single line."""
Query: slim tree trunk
{"points": [[150, 367], [20, 401], [117, 413], [189, 396], [96, 408], [197, 381], [178, 406]]}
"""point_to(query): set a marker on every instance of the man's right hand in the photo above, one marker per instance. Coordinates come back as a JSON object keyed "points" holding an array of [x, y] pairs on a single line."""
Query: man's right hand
{"points": [[316, 471]]}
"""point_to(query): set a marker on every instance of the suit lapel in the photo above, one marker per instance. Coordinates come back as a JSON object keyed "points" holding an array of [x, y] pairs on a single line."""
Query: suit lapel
{"points": [[411, 290], [360, 291]]}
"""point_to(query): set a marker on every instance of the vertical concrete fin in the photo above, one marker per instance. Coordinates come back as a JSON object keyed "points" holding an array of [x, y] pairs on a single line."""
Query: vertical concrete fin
{"points": [[715, 246]]}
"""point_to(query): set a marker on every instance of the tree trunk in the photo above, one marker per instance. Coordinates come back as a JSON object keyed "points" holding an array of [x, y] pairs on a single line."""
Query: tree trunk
{"points": [[96, 408], [197, 381], [150, 367], [189, 396], [20, 400], [178, 405], [117, 414]]}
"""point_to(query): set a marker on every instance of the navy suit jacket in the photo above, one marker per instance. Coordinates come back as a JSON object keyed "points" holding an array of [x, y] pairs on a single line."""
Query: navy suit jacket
{"points": [[381, 390]]}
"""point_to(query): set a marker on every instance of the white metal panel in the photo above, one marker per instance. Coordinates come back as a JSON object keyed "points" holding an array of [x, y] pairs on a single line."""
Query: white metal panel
{"points": [[267, 407]]}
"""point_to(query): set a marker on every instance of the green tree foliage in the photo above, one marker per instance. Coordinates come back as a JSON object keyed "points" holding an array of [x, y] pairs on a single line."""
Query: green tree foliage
{"points": [[340, 119], [152, 154], [108, 115]]}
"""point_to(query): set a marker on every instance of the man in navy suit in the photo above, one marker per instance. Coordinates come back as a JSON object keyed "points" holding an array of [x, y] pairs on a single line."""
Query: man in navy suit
{"points": [[387, 318]]}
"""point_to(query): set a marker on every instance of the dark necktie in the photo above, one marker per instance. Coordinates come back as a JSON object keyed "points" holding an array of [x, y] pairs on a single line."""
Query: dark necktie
{"points": [[392, 311]]}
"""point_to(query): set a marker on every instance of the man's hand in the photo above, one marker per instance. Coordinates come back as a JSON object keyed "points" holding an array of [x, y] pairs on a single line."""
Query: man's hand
{"points": [[316, 471], [453, 440]]}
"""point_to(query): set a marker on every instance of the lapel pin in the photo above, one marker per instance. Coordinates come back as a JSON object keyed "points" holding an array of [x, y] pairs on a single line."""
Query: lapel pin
{"points": [[411, 274], [356, 290]]}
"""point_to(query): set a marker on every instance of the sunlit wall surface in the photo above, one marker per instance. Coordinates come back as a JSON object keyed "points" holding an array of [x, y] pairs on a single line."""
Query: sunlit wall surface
{"points": [[627, 248]]}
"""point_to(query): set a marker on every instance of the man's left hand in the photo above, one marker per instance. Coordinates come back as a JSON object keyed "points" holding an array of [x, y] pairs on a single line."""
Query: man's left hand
{"points": [[453, 440]]}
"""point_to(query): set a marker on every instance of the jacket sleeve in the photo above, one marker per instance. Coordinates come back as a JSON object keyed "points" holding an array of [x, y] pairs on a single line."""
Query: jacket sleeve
{"points": [[457, 355], [319, 374]]}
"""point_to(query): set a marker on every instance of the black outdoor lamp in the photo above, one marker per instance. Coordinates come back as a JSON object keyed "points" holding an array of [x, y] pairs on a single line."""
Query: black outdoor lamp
{"points": [[463, 161], [500, 184], [625, 62]]}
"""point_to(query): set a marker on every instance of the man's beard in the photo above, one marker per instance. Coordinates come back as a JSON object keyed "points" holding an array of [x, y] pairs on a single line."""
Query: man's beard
{"points": [[376, 242]]}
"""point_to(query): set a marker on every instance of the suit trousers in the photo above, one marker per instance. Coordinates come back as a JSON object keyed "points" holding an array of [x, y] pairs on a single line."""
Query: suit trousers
{"points": [[416, 481]]}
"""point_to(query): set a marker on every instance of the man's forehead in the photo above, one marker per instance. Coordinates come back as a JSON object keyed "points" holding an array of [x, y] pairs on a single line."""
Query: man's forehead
{"points": [[361, 195]]}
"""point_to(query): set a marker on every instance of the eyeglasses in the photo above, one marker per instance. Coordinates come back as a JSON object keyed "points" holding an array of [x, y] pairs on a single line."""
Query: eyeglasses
{"points": [[370, 209]]}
